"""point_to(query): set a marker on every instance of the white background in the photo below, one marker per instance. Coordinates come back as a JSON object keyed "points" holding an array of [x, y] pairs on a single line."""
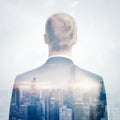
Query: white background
{"points": [[22, 46]]}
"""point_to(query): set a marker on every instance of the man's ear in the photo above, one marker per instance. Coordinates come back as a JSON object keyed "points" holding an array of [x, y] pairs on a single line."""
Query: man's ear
{"points": [[45, 39], [74, 39]]}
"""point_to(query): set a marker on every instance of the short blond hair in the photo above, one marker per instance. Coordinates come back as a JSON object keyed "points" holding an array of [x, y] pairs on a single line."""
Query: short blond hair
{"points": [[60, 30]]}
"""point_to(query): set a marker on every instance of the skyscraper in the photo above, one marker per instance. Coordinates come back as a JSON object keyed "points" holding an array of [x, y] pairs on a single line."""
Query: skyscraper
{"points": [[65, 113]]}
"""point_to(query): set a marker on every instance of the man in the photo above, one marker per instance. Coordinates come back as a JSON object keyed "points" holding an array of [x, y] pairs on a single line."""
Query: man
{"points": [[59, 90]]}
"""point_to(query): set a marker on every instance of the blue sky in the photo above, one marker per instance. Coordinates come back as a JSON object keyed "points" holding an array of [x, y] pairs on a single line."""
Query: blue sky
{"points": [[98, 48]]}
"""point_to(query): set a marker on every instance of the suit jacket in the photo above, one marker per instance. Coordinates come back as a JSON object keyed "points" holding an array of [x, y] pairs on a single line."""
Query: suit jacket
{"points": [[58, 90]]}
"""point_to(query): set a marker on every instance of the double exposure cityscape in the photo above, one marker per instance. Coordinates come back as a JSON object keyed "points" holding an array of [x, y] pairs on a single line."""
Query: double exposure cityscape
{"points": [[30, 102]]}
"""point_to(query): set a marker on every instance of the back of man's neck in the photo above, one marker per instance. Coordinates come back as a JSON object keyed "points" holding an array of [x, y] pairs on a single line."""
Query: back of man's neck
{"points": [[60, 53]]}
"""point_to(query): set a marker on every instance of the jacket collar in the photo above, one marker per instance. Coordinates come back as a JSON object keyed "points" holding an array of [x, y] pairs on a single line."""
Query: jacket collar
{"points": [[59, 60]]}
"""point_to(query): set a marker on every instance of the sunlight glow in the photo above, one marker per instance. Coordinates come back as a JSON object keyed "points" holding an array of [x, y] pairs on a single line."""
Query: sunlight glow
{"points": [[36, 85], [87, 85]]}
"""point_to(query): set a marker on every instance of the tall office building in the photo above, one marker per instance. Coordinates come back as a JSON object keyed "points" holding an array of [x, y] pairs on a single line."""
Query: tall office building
{"points": [[65, 113], [58, 95], [32, 112], [86, 112], [47, 108], [24, 111], [77, 111], [54, 109], [16, 97]]}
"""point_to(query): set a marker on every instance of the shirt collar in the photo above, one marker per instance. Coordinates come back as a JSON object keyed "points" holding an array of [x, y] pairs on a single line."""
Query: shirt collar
{"points": [[65, 56]]}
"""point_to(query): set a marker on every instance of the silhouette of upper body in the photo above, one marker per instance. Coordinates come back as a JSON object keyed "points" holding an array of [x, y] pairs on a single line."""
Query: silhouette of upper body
{"points": [[59, 90]]}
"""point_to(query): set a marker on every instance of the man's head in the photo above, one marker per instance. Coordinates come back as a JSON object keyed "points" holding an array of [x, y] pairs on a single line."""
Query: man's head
{"points": [[61, 32]]}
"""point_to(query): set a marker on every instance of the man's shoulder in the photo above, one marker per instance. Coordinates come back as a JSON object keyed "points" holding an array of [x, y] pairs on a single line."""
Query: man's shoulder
{"points": [[87, 74], [29, 75], [44, 69]]}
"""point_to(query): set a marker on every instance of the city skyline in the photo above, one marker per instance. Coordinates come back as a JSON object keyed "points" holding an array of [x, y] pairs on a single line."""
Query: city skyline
{"points": [[55, 103]]}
